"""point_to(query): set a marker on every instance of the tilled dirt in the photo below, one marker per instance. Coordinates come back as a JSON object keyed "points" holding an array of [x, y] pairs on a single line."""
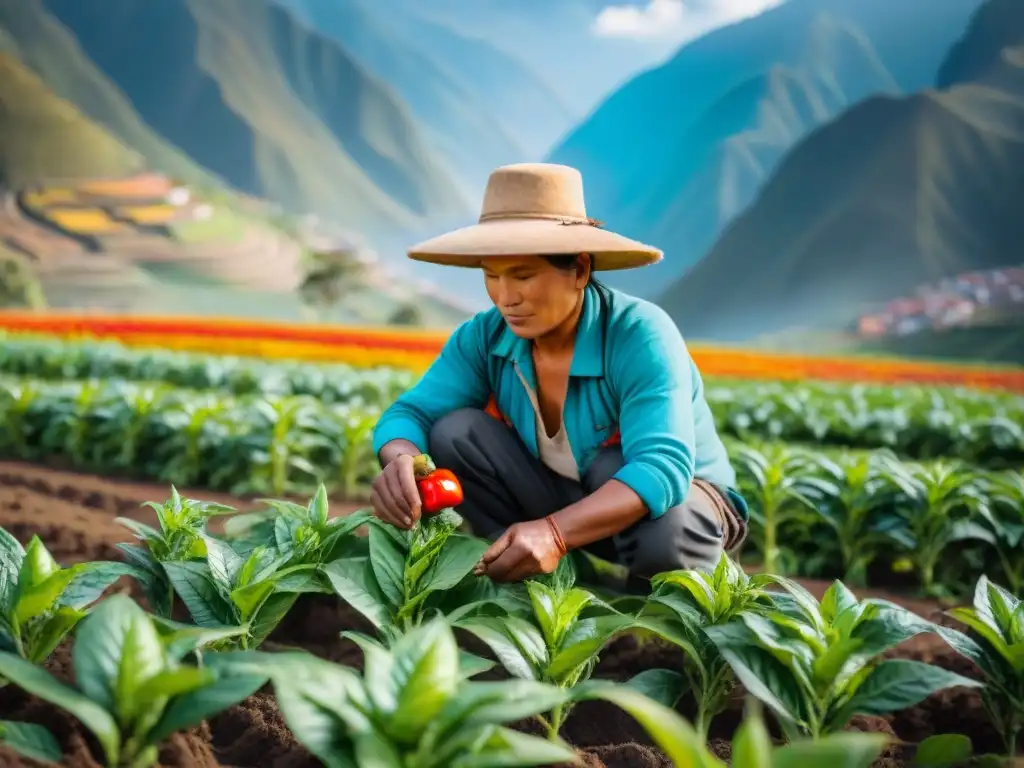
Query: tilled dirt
{"points": [[75, 516]]}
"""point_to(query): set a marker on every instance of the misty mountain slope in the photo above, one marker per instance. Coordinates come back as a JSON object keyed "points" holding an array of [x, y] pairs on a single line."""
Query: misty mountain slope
{"points": [[813, 58], [894, 193], [50, 50], [44, 137], [552, 38], [478, 105], [762, 119], [219, 79]]}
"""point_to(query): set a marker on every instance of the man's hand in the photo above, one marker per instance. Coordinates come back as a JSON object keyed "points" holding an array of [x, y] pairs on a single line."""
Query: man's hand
{"points": [[395, 497], [524, 550]]}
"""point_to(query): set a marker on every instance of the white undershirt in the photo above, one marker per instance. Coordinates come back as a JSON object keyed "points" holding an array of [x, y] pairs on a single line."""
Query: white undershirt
{"points": [[555, 452]]}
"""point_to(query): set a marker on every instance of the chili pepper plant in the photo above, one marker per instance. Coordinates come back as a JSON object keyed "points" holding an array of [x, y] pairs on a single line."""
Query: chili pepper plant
{"points": [[817, 665], [41, 602], [995, 643], [131, 692], [683, 604]]}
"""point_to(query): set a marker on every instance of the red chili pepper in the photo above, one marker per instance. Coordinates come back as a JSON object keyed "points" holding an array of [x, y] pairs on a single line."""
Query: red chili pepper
{"points": [[439, 490]]}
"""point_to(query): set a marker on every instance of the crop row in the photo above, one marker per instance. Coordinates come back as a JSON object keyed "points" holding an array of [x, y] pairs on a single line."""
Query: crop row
{"points": [[918, 422], [56, 360], [814, 513], [983, 427], [142, 676], [416, 349]]}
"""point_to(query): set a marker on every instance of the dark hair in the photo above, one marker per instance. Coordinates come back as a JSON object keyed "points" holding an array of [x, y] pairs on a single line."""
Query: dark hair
{"points": [[569, 261]]}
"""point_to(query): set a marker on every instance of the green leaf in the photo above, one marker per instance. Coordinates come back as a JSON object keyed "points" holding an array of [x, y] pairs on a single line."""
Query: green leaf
{"points": [[180, 639], [583, 641], [48, 634], [42, 596], [887, 629], [249, 599], [38, 565], [30, 740], [897, 684], [311, 694], [224, 690], [669, 731], [225, 564], [372, 750], [318, 508], [270, 615], [11, 556], [507, 639], [505, 748], [100, 646], [353, 581], [764, 676], [942, 750], [471, 665], [501, 703], [837, 599], [426, 674], [839, 750], [142, 657], [453, 563], [91, 580], [38, 682], [388, 563], [752, 746], [664, 686], [172, 682], [194, 584]]}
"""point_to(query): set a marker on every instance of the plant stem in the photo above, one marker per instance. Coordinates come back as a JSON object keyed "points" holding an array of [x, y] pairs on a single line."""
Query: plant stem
{"points": [[769, 540], [555, 725]]}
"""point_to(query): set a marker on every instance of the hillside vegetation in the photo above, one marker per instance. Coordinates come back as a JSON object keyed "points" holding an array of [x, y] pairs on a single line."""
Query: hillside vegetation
{"points": [[43, 136], [44, 45], [273, 108]]}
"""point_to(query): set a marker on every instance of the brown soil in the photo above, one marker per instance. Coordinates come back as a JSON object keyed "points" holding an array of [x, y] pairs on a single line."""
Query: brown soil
{"points": [[74, 515]]}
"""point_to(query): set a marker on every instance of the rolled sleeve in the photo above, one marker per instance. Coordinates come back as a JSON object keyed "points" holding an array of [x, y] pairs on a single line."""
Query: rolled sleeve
{"points": [[653, 375], [457, 379]]}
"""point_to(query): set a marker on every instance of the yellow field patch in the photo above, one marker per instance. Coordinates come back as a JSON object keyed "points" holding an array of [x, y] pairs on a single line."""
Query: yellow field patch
{"points": [[84, 221], [150, 214], [44, 198]]}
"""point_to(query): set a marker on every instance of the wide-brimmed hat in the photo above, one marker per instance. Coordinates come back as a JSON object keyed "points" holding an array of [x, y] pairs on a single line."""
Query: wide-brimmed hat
{"points": [[534, 208]]}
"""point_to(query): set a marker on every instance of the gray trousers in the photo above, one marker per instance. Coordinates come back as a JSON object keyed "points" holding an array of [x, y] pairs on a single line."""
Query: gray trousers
{"points": [[503, 484]]}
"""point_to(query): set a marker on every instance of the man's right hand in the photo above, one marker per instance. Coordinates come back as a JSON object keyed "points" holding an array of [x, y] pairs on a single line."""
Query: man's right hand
{"points": [[395, 497]]}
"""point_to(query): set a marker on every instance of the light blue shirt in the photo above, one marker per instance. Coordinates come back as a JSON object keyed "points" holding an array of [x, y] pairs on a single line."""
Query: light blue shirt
{"points": [[631, 374]]}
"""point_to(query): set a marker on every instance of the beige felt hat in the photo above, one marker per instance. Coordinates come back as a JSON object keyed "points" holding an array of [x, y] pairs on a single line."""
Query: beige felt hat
{"points": [[534, 208]]}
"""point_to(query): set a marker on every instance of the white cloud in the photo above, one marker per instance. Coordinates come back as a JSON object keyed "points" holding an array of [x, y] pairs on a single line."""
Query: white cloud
{"points": [[675, 19]]}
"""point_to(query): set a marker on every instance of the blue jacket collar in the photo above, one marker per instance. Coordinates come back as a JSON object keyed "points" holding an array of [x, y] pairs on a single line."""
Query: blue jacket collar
{"points": [[588, 355]]}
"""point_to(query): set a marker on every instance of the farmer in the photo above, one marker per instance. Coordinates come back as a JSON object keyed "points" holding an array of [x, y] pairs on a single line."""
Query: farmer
{"points": [[571, 413]]}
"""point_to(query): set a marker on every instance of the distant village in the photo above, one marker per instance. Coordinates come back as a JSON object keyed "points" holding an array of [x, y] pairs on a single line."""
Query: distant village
{"points": [[968, 299]]}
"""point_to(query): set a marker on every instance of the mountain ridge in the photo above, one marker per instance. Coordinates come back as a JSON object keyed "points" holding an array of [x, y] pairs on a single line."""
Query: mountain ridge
{"points": [[866, 56], [913, 189], [240, 84]]}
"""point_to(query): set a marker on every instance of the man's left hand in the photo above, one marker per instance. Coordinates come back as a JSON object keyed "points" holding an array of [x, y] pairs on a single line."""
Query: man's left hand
{"points": [[524, 550]]}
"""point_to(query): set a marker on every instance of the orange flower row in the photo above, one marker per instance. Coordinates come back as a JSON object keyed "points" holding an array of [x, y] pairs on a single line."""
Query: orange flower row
{"points": [[416, 349]]}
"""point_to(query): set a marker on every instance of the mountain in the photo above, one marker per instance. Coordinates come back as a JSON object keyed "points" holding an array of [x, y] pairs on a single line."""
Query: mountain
{"points": [[275, 109], [47, 48], [43, 136], [553, 38], [895, 193], [481, 107], [717, 118]]}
